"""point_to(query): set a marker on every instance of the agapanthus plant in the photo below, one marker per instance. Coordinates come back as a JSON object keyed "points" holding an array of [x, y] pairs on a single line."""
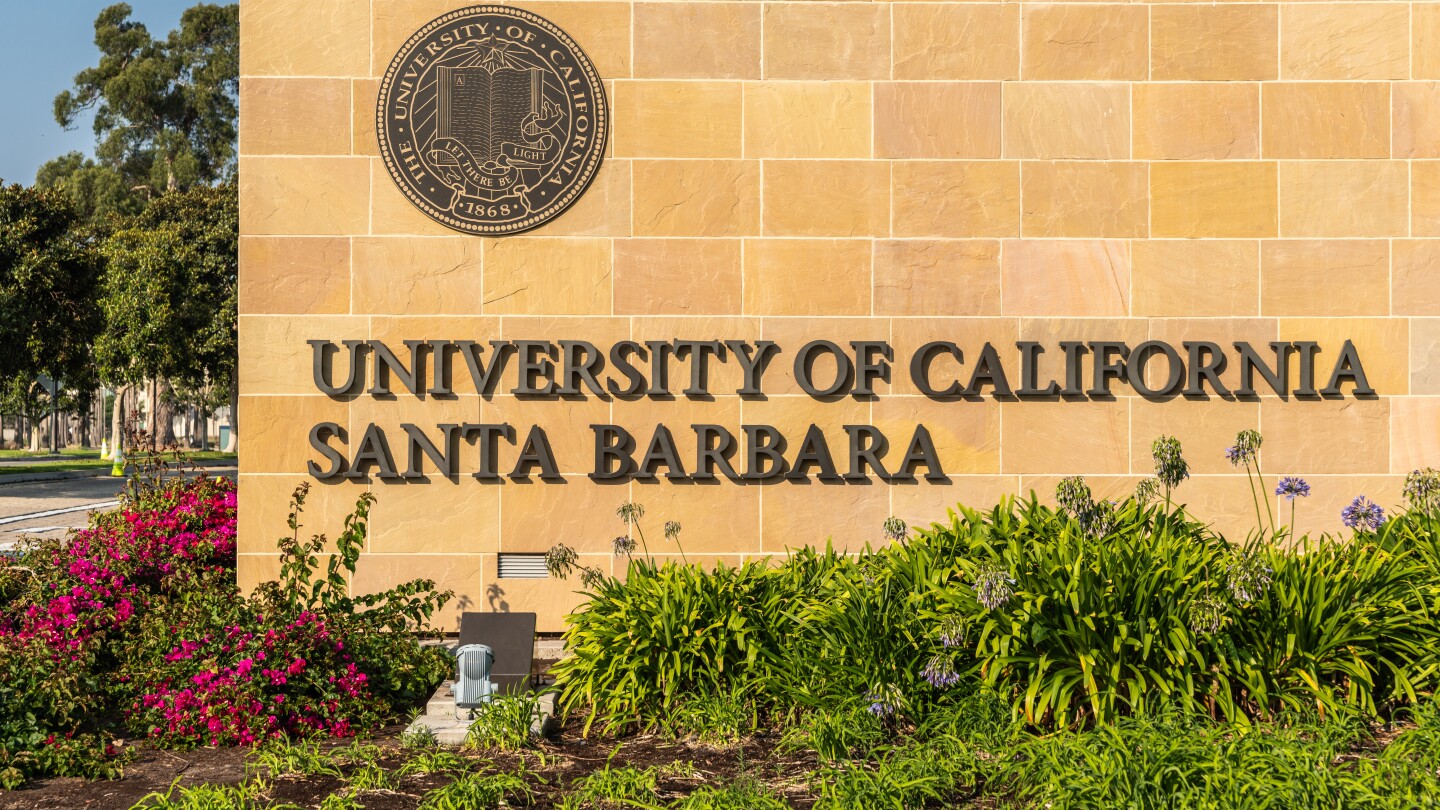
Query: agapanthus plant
{"points": [[1363, 514]]}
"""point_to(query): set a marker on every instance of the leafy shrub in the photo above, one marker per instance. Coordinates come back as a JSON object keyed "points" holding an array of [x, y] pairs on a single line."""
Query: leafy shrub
{"points": [[740, 794], [671, 632], [245, 796], [477, 792], [1073, 616], [911, 775], [610, 788], [504, 723], [135, 626]]}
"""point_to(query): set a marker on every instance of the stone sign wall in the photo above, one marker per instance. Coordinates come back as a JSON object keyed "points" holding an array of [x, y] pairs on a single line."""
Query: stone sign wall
{"points": [[901, 172]]}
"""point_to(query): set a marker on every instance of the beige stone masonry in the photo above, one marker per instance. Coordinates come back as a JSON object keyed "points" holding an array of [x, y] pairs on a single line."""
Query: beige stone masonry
{"points": [[906, 171]]}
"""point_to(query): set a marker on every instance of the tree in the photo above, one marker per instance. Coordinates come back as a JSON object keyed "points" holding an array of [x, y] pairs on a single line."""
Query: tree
{"points": [[165, 110], [170, 297], [49, 275]]}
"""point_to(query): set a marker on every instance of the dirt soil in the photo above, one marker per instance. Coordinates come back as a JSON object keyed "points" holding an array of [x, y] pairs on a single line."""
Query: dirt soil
{"points": [[566, 757]]}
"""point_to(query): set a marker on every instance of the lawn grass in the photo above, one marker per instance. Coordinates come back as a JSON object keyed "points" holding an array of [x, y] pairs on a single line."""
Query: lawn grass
{"points": [[82, 452], [95, 464]]}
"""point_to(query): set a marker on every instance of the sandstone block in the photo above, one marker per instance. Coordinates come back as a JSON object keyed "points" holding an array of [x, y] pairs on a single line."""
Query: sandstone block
{"points": [[335, 41], [274, 355], [666, 202], [1325, 120], [1194, 121], [937, 277], [1336, 277], [807, 277], [1425, 198], [803, 514], [365, 94], [271, 443], [1415, 432], [1425, 41], [460, 573], [294, 275], [1078, 199], [677, 119], [295, 116], [827, 41], [1204, 428], [1206, 199], [667, 46], [1326, 436], [962, 41], [1214, 42], [416, 276], [1344, 41], [1083, 438], [937, 119], [788, 119], [1096, 42], [1343, 198], [1086, 278], [677, 276], [547, 276], [1416, 274], [319, 196], [1415, 132], [1209, 277], [1050, 120], [826, 198], [955, 198], [1425, 349]]}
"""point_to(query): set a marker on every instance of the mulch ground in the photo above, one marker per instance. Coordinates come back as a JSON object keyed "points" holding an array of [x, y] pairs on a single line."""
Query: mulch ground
{"points": [[567, 756]]}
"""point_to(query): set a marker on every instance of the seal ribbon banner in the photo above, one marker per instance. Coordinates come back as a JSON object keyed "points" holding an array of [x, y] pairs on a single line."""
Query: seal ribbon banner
{"points": [[492, 120]]}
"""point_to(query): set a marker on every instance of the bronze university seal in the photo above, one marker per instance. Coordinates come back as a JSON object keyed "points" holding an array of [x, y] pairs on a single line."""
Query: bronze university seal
{"points": [[492, 120]]}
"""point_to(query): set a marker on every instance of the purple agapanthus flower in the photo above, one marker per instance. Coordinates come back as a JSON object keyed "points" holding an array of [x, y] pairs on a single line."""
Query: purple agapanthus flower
{"points": [[1363, 514], [885, 700], [1292, 488], [940, 672]]}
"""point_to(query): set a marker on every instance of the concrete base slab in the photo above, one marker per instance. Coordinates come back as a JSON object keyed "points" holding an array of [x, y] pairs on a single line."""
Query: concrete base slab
{"points": [[451, 724]]}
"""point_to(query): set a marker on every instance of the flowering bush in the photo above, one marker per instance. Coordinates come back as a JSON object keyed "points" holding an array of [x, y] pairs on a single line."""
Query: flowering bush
{"points": [[1081, 614], [134, 626]]}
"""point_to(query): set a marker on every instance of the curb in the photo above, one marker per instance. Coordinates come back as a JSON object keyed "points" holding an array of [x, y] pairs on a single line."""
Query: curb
{"points": [[98, 472]]}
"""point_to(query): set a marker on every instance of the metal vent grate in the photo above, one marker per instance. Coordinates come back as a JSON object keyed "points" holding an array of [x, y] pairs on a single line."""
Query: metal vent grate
{"points": [[523, 566]]}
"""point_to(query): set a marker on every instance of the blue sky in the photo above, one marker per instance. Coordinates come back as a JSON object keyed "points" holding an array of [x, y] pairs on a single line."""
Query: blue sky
{"points": [[43, 44]]}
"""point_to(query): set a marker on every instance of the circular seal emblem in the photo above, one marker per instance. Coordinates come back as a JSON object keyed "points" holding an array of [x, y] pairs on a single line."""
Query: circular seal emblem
{"points": [[492, 120]]}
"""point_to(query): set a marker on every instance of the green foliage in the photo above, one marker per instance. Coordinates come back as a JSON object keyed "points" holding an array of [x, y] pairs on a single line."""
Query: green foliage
{"points": [[504, 723], [49, 275], [165, 109], [842, 733], [1175, 759], [245, 796], [912, 775], [478, 792], [670, 632], [1096, 626], [740, 794], [170, 291], [1070, 617], [282, 757], [612, 788], [434, 761], [713, 719]]}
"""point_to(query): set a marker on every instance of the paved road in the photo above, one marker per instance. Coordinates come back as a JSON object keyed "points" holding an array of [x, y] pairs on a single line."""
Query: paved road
{"points": [[48, 508]]}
